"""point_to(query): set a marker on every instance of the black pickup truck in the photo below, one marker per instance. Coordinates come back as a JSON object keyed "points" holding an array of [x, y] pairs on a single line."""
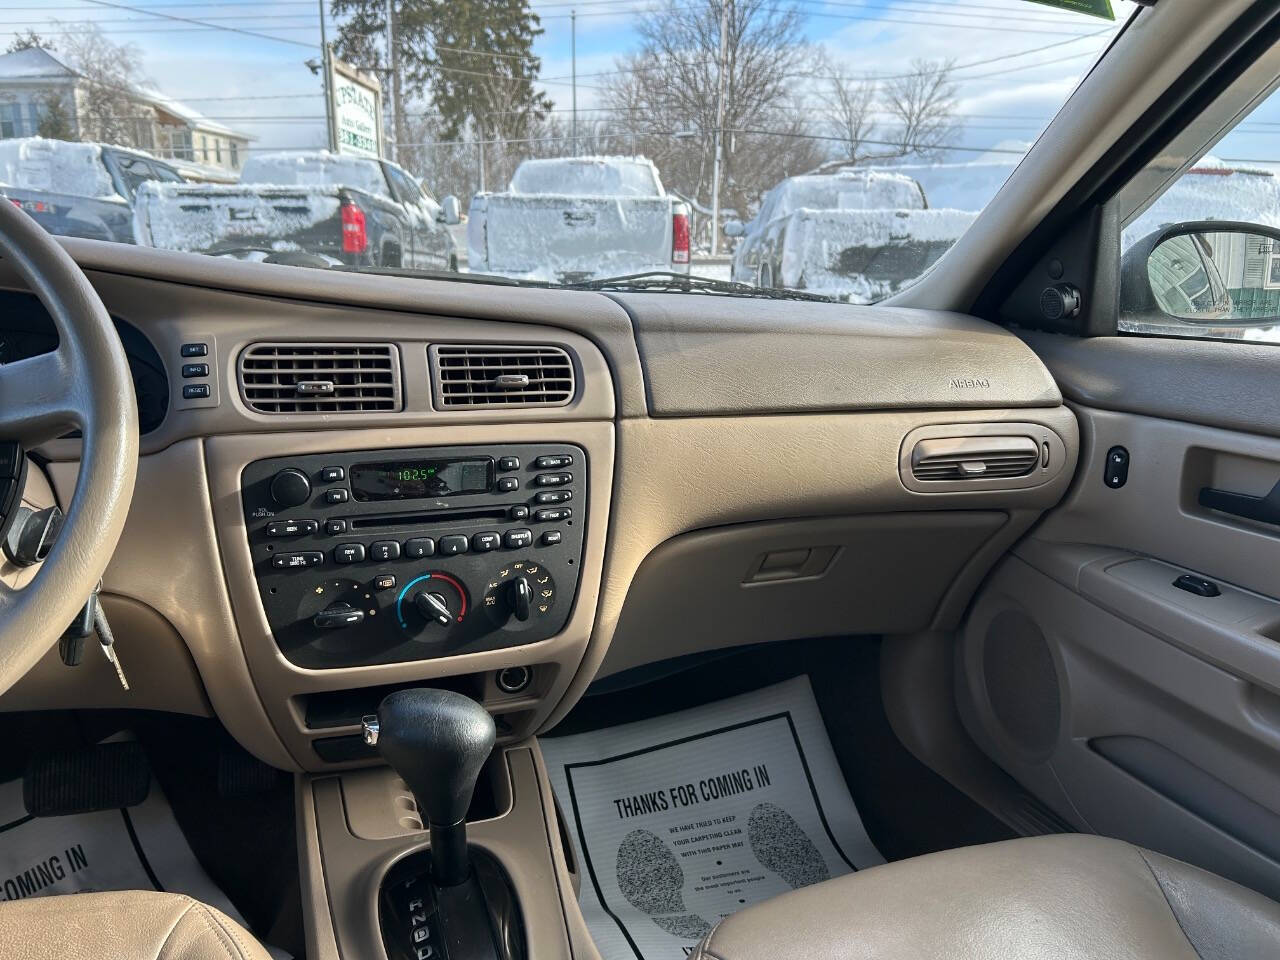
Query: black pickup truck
{"points": [[78, 189], [349, 210]]}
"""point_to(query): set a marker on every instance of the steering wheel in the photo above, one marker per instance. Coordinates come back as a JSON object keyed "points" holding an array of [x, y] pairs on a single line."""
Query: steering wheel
{"points": [[85, 383]]}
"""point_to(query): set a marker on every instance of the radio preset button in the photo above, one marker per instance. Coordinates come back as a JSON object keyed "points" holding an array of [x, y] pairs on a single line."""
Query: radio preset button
{"points": [[290, 561], [552, 463], [385, 550], [348, 553], [415, 548], [551, 538], [518, 512], [553, 496], [552, 479], [291, 528], [335, 527], [453, 544], [517, 539], [507, 484], [552, 514], [333, 474], [507, 464], [340, 495], [484, 542]]}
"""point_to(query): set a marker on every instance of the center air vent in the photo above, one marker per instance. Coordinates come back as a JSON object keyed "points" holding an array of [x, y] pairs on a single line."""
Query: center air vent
{"points": [[974, 458], [485, 375], [310, 378]]}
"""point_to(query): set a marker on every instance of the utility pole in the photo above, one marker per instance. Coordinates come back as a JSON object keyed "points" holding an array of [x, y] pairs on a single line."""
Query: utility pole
{"points": [[324, 82], [573, 56], [393, 64], [720, 94]]}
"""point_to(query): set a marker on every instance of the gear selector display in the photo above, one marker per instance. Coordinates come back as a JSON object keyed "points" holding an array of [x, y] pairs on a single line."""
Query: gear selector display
{"points": [[395, 555]]}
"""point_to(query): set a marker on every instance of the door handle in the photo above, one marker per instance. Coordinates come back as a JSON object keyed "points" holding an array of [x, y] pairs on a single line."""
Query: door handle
{"points": [[1263, 509]]}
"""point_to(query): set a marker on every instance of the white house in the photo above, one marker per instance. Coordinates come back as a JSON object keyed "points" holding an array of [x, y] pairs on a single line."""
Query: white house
{"points": [[201, 148]]}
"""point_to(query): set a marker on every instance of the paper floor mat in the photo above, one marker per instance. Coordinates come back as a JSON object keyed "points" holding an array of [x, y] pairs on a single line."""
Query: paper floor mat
{"points": [[141, 848], [685, 819]]}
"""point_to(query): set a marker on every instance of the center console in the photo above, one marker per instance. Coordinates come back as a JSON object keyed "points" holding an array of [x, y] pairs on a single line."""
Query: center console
{"points": [[413, 553]]}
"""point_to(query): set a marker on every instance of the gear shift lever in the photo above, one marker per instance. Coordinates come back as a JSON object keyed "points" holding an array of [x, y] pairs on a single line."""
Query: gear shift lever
{"points": [[438, 741]]}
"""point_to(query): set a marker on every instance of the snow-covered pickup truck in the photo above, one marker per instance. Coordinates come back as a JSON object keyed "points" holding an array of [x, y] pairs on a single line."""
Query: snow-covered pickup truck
{"points": [[571, 219], [856, 234], [78, 189], [347, 210]]}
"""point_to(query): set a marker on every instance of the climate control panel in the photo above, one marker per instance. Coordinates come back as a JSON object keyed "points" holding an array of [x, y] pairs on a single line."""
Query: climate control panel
{"points": [[367, 557]]}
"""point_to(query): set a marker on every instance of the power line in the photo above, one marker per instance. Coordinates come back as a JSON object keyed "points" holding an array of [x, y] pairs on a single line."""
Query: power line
{"points": [[201, 23]]}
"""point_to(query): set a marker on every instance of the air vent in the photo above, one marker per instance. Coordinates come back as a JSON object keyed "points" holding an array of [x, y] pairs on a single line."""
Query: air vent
{"points": [[974, 458], [312, 378], [485, 375]]}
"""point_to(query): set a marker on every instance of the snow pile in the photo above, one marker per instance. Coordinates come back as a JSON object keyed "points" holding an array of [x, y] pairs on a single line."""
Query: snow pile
{"points": [[56, 166], [194, 219], [588, 177], [554, 238], [1211, 190], [865, 255], [316, 169]]}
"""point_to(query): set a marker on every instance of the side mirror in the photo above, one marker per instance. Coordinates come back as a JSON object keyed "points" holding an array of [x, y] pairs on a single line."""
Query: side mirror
{"points": [[1210, 272], [734, 229], [450, 212]]}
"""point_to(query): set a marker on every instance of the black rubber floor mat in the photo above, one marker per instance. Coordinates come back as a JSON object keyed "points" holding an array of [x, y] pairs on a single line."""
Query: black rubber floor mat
{"points": [[107, 776]]}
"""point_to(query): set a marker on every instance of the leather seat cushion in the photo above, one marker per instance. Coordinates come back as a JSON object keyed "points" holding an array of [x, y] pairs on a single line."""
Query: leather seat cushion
{"points": [[1060, 897], [127, 925]]}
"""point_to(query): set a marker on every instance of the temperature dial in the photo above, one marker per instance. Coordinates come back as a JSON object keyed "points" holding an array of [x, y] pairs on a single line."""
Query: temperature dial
{"points": [[519, 593], [431, 602]]}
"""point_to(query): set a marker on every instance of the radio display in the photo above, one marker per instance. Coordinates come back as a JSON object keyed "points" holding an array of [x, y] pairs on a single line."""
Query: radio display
{"points": [[417, 479]]}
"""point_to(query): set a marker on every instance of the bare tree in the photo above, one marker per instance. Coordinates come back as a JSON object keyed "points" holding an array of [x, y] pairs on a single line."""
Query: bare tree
{"points": [[848, 106], [664, 97], [922, 105], [107, 106], [27, 41]]}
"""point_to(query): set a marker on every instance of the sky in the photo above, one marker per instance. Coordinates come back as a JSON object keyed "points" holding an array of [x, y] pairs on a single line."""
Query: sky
{"points": [[1017, 60]]}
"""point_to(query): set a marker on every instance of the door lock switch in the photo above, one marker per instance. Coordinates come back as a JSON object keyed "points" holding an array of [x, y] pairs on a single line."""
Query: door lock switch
{"points": [[1200, 586]]}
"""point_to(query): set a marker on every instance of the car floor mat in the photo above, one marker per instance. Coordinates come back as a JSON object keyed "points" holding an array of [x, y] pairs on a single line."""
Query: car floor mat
{"points": [[651, 879]]}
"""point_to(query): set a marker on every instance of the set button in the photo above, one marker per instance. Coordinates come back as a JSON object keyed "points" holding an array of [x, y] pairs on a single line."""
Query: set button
{"points": [[348, 553], [290, 561], [552, 462], [194, 350], [552, 479], [292, 528], [552, 496]]}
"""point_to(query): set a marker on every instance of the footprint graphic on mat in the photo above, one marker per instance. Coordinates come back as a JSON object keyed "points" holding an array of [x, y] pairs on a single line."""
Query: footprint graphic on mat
{"points": [[651, 879], [783, 847]]}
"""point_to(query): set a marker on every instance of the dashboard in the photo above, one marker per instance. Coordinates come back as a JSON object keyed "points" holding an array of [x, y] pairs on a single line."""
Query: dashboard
{"points": [[384, 482]]}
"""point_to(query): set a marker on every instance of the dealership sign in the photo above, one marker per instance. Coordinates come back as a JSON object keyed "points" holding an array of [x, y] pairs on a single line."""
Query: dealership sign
{"points": [[355, 110]]}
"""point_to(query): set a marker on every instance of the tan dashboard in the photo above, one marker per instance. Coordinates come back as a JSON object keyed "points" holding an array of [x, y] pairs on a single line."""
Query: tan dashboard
{"points": [[715, 513]]}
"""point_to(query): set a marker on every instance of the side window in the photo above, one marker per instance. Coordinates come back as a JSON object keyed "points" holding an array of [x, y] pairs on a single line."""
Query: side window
{"points": [[1201, 257], [406, 190], [134, 171], [165, 174]]}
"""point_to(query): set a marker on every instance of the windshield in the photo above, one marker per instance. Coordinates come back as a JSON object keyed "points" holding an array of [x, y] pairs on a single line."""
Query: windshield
{"points": [[819, 149]]}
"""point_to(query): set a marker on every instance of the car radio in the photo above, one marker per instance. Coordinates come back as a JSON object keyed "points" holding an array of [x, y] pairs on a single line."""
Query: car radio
{"points": [[394, 555]]}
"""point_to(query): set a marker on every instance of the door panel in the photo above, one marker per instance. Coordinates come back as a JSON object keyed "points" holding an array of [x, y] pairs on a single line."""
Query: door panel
{"points": [[1134, 708]]}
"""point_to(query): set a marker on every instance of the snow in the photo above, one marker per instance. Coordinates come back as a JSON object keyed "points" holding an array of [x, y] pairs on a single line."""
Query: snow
{"points": [[588, 177], [56, 166], [315, 168], [192, 219], [1212, 190], [32, 62], [862, 189], [193, 118], [816, 241]]}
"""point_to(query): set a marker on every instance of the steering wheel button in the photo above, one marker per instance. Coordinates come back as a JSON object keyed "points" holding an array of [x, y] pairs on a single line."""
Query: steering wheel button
{"points": [[453, 545], [348, 553]]}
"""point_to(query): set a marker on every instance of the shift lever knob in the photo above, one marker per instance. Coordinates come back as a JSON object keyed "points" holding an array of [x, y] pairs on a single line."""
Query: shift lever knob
{"points": [[438, 741]]}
